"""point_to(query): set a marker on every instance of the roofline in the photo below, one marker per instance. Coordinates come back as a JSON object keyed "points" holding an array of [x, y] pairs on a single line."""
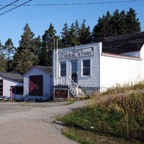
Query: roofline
{"points": [[11, 79], [124, 35], [37, 68], [43, 70], [120, 56]]}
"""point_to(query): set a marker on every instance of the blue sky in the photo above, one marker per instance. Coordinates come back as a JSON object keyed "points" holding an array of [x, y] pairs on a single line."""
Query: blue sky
{"points": [[40, 17]]}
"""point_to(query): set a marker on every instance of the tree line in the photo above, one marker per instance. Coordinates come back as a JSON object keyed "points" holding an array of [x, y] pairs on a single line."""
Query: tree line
{"points": [[38, 50]]}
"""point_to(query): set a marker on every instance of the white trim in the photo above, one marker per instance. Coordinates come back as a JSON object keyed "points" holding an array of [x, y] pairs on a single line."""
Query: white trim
{"points": [[62, 62], [90, 67]]}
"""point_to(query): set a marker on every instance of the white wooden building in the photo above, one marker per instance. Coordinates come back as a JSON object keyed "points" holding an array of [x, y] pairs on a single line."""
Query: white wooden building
{"points": [[38, 85], [98, 66], [10, 83]]}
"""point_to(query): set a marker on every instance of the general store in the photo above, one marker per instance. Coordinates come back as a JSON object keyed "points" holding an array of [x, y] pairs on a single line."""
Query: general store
{"points": [[98, 66]]}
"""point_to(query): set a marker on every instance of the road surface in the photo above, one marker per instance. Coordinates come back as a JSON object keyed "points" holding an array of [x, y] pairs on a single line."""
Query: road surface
{"points": [[32, 123]]}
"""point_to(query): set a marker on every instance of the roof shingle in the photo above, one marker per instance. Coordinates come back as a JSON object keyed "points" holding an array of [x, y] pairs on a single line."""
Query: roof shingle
{"points": [[12, 76], [123, 43]]}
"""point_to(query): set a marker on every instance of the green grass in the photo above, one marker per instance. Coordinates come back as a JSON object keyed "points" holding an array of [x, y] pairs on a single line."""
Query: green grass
{"points": [[121, 116], [88, 137]]}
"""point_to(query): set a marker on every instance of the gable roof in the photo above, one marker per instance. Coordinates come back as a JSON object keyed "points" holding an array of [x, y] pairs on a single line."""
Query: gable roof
{"points": [[123, 43], [46, 69], [12, 76]]}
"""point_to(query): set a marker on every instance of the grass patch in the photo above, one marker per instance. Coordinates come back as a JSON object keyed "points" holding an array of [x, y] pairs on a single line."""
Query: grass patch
{"points": [[125, 88], [88, 137], [119, 116]]}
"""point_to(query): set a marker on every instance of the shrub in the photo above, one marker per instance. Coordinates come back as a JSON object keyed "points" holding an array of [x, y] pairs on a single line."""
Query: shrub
{"points": [[120, 116], [125, 88]]}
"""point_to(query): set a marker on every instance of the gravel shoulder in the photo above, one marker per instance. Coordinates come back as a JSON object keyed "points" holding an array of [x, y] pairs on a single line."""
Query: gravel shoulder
{"points": [[32, 123]]}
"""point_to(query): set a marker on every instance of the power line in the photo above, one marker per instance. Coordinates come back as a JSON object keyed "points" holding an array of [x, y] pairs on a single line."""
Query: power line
{"points": [[15, 7], [77, 4], [9, 4]]}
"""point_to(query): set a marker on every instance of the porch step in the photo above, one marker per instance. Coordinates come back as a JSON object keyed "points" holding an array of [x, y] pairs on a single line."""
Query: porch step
{"points": [[76, 92], [70, 85]]}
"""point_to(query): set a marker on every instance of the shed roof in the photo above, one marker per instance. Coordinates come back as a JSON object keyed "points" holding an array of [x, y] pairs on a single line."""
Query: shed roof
{"points": [[46, 69], [12, 76], [123, 43]]}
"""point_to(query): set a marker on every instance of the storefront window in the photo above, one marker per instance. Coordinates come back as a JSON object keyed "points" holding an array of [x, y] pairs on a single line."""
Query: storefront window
{"points": [[63, 69], [86, 67]]}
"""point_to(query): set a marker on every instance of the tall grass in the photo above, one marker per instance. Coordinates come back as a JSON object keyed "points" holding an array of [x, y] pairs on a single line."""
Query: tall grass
{"points": [[125, 88], [120, 116]]}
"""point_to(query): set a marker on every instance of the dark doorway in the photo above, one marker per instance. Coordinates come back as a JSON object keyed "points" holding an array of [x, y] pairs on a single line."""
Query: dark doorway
{"points": [[74, 70], [36, 85], [1, 87]]}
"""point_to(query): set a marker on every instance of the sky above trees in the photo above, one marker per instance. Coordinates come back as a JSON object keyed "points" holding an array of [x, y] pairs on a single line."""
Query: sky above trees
{"points": [[58, 13], [34, 50]]}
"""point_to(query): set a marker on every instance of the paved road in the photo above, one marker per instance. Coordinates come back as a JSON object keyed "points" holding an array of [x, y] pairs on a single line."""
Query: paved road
{"points": [[32, 123]]}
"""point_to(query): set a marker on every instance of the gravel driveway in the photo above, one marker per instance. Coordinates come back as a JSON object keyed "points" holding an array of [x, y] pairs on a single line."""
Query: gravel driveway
{"points": [[32, 123]]}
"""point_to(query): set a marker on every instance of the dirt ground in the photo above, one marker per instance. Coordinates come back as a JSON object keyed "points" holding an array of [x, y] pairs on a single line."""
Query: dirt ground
{"points": [[32, 123]]}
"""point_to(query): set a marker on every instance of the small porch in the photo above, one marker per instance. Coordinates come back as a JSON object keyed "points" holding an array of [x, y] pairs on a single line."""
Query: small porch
{"points": [[66, 87]]}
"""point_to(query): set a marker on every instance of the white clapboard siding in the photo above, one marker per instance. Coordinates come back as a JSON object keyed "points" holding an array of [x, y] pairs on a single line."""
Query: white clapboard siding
{"points": [[47, 82], [7, 84]]}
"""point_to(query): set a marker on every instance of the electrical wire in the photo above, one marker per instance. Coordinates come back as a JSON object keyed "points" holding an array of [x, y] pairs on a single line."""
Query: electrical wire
{"points": [[60, 4], [9, 4], [73, 4], [15, 7]]}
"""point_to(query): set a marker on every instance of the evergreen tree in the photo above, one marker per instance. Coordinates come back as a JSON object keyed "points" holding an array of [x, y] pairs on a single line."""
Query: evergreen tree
{"points": [[115, 24], [2, 59], [118, 24], [132, 23], [102, 29], [84, 33], [25, 57], [3, 63], [37, 45], [122, 23], [74, 34], [46, 52], [9, 51], [77, 32], [65, 36]]}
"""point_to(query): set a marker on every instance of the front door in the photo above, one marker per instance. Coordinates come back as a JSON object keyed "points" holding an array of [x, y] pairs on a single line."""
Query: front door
{"points": [[74, 70]]}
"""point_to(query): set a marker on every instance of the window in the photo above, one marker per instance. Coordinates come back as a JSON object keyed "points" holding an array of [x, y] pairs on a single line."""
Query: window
{"points": [[86, 67], [18, 90], [63, 69]]}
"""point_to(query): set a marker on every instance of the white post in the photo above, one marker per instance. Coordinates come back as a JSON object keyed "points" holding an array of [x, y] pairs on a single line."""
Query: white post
{"points": [[57, 66], [54, 67]]}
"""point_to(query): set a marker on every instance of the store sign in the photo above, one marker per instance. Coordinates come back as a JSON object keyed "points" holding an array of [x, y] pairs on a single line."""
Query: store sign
{"points": [[88, 52]]}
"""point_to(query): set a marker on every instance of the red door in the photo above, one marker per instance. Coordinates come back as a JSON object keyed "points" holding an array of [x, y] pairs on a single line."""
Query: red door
{"points": [[36, 85]]}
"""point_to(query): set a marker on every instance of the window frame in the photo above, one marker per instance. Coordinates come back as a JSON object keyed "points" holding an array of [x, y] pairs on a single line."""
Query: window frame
{"points": [[82, 68], [64, 62]]}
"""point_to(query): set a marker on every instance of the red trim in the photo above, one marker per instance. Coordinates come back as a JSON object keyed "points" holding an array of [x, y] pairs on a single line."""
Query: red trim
{"points": [[120, 56], [11, 92]]}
